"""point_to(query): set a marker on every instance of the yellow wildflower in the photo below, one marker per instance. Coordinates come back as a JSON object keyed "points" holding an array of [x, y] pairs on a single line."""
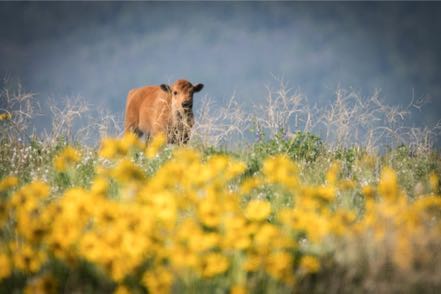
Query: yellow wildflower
{"points": [[403, 253], [217, 163], [5, 266], [128, 142], [238, 289], [109, 148], [281, 170], [341, 221], [209, 213], [203, 241], [258, 210], [433, 181], [184, 258], [164, 205], [428, 204], [368, 191], [309, 264], [155, 146], [112, 148], [326, 193], [252, 263], [332, 173], [236, 233], [235, 168], [269, 237], [28, 196], [100, 186], [186, 156], [387, 186], [26, 259], [8, 183], [279, 265], [66, 158], [39, 190], [249, 185], [315, 225], [189, 221], [287, 217], [158, 281], [121, 289], [214, 264], [118, 268], [127, 172]]}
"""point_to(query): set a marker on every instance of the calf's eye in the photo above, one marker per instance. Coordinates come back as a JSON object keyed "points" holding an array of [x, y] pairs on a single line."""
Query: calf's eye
{"points": [[175, 93]]}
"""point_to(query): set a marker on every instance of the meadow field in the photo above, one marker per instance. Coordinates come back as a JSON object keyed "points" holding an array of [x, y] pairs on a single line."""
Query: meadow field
{"points": [[291, 198]]}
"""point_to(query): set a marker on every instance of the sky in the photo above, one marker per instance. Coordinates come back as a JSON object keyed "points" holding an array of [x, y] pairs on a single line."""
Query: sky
{"points": [[101, 50]]}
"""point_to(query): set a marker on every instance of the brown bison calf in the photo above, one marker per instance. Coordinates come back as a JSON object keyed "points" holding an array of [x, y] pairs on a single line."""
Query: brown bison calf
{"points": [[151, 110]]}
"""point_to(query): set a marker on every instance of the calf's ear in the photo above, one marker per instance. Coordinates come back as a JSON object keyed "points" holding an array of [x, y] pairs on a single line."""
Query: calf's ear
{"points": [[165, 88], [198, 87]]}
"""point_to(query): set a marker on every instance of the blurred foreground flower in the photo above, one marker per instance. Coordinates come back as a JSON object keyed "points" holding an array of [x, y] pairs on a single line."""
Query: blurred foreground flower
{"points": [[202, 223], [5, 266], [434, 182], [112, 148], [155, 146], [388, 186], [309, 264], [66, 158], [258, 210], [8, 183]]}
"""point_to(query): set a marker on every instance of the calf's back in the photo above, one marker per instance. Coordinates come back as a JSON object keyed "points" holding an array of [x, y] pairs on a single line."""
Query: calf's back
{"points": [[148, 110]]}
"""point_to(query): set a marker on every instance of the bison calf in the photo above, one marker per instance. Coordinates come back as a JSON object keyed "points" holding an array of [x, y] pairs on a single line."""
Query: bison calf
{"points": [[162, 109]]}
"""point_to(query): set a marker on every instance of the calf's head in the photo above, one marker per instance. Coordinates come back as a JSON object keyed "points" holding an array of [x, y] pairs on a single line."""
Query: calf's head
{"points": [[182, 94], [181, 110]]}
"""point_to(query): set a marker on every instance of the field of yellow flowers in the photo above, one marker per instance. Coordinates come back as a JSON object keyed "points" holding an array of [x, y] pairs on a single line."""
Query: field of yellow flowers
{"points": [[167, 219]]}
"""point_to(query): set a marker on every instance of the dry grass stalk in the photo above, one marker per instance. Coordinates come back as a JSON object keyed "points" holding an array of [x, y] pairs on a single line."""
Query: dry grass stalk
{"points": [[349, 120]]}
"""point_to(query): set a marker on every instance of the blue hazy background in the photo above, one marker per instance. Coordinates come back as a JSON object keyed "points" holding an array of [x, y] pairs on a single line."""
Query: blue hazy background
{"points": [[101, 50]]}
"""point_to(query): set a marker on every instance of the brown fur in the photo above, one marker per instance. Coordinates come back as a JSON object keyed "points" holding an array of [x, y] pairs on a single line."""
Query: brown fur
{"points": [[151, 110]]}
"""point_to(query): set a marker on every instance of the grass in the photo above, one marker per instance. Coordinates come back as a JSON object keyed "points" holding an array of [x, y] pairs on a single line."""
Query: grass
{"points": [[33, 160], [380, 234]]}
